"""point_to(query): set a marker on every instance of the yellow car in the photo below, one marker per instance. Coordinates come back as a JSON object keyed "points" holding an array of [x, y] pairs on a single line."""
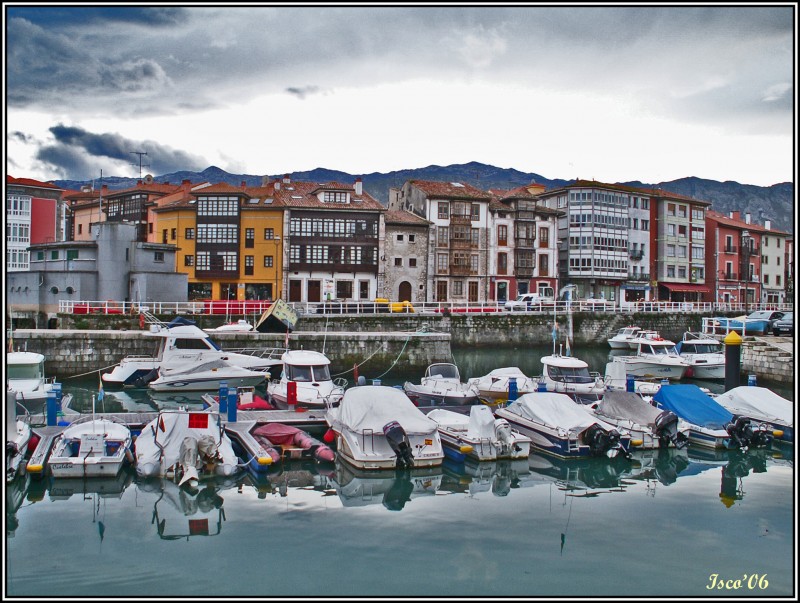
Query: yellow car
{"points": [[400, 307]]}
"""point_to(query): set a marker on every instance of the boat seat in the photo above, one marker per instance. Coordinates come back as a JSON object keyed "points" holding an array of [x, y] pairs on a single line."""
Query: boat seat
{"points": [[92, 445]]}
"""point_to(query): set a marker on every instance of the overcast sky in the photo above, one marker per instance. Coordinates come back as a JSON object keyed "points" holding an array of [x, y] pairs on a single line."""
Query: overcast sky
{"points": [[611, 93]]}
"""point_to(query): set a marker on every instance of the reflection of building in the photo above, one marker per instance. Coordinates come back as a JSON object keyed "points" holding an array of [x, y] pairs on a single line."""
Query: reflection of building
{"points": [[112, 266], [33, 215]]}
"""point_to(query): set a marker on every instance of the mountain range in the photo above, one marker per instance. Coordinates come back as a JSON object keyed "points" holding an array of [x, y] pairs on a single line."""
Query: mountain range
{"points": [[774, 203]]}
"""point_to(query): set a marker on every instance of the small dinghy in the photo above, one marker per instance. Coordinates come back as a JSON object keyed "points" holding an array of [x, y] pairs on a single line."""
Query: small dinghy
{"points": [[18, 436], [185, 446], [286, 441], [94, 448]]}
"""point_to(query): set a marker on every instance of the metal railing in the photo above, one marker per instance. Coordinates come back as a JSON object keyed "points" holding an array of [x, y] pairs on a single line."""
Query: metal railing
{"points": [[235, 308]]}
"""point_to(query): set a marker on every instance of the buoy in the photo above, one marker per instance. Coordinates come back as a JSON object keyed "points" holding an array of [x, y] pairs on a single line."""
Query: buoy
{"points": [[690, 372], [465, 449], [329, 436], [778, 433], [141, 321], [637, 442], [34, 442], [265, 460]]}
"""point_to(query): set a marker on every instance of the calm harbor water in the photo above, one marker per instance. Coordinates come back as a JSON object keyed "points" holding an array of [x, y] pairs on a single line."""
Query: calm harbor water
{"points": [[676, 523]]}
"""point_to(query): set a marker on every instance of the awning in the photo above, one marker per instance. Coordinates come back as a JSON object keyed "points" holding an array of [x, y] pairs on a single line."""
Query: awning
{"points": [[686, 288]]}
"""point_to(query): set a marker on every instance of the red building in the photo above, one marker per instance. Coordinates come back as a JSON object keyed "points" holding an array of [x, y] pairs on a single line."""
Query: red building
{"points": [[733, 258]]}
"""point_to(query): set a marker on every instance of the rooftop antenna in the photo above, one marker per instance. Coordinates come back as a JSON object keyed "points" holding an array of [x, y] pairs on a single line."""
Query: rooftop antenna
{"points": [[140, 154]]}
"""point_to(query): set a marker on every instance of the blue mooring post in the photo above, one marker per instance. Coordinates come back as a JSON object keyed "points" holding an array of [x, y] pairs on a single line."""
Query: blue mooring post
{"points": [[751, 380], [733, 359], [512, 389], [52, 408], [541, 386], [630, 384], [59, 395], [223, 396], [232, 406]]}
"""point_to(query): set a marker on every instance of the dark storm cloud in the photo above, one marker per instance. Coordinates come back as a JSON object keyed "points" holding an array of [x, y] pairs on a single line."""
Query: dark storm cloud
{"points": [[64, 17], [77, 151], [303, 92]]}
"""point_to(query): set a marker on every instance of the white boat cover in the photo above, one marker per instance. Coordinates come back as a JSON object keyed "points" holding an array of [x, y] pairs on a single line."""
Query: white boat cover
{"points": [[555, 410], [481, 423], [628, 405], [449, 419], [758, 403], [370, 407], [505, 372]]}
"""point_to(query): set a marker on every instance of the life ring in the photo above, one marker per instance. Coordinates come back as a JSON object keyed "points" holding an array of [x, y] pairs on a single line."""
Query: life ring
{"points": [[141, 321]]}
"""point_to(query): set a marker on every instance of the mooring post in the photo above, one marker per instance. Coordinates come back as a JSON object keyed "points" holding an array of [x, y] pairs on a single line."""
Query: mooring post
{"points": [[733, 359]]}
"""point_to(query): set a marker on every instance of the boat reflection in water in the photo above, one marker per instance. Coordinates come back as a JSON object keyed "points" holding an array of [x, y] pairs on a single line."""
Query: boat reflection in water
{"points": [[498, 477], [15, 496], [393, 489]]}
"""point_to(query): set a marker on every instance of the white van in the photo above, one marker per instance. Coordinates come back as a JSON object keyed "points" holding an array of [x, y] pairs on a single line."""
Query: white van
{"points": [[528, 301]]}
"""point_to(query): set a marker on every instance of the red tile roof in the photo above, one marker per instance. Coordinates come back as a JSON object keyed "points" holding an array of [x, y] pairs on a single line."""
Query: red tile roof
{"points": [[31, 182], [403, 216], [728, 221], [450, 190]]}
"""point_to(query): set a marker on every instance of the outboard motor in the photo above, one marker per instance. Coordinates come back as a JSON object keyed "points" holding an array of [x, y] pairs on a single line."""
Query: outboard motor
{"points": [[666, 425], [743, 434], [504, 437], [146, 378], [398, 440], [601, 441]]}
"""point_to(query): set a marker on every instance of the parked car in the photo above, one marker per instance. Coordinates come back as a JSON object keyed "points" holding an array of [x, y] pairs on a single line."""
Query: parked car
{"points": [[784, 325], [527, 301], [759, 322]]}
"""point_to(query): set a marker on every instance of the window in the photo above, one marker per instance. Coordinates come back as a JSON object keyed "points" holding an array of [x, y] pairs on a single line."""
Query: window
{"points": [[173, 234], [398, 261], [150, 228], [670, 251], [670, 209], [443, 236], [334, 197], [269, 234], [344, 289], [682, 230], [458, 288], [40, 256], [412, 238], [778, 280], [399, 238], [502, 263], [189, 234], [248, 265], [443, 212], [250, 237], [188, 260], [80, 228], [671, 230], [158, 256], [645, 224], [412, 262], [54, 254], [476, 211], [681, 251], [441, 263], [72, 254], [766, 279], [502, 234], [670, 271], [267, 261], [164, 236]]}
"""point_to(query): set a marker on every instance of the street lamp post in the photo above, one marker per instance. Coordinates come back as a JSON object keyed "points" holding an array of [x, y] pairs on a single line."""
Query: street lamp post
{"points": [[745, 264]]}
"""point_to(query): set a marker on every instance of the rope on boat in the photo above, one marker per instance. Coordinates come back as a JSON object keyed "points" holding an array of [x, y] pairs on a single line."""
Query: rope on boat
{"points": [[93, 371], [398, 357], [378, 349]]}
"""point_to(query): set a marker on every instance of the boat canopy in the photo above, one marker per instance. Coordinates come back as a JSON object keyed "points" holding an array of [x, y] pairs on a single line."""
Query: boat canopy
{"points": [[443, 371], [556, 410], [690, 403], [758, 403], [628, 405], [370, 407]]}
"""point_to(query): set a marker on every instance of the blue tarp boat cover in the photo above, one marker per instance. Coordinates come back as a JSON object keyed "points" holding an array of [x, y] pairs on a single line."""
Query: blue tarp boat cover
{"points": [[180, 321], [690, 403]]}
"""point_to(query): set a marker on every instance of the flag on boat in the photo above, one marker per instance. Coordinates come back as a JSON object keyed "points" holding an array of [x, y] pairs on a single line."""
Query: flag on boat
{"points": [[555, 331], [286, 339], [567, 338], [100, 392]]}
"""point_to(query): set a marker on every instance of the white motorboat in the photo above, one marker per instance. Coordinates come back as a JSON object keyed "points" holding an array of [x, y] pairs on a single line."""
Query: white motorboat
{"points": [[182, 343], [186, 447], [494, 386], [25, 375], [621, 341], [305, 381], [558, 425], [479, 436], [643, 336], [378, 427], [648, 426], [91, 448], [616, 378], [205, 376], [711, 424], [655, 359], [705, 355], [571, 376], [442, 386], [240, 326], [763, 406], [18, 436]]}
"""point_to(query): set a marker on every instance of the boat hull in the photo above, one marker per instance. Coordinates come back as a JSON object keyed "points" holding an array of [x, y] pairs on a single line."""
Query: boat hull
{"points": [[203, 384], [654, 370], [372, 451]]}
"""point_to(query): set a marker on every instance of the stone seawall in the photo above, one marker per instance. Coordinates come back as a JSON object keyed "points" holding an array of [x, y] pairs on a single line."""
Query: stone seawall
{"points": [[769, 360], [71, 353]]}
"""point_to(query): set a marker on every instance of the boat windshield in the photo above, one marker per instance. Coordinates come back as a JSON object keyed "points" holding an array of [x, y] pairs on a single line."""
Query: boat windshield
{"points": [[570, 374], [659, 350], [306, 374], [701, 348], [446, 371], [24, 371]]}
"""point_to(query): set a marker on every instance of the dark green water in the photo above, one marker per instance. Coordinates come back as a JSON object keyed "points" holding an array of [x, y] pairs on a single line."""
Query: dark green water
{"points": [[663, 525]]}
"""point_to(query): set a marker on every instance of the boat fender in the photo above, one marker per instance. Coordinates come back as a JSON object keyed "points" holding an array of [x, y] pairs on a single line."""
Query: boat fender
{"points": [[34, 442], [129, 455], [141, 321]]}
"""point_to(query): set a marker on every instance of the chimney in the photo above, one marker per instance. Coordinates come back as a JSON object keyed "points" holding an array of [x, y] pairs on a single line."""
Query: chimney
{"points": [[264, 180], [139, 182], [286, 179], [768, 224], [186, 185], [747, 218], [277, 185], [735, 215], [244, 184], [104, 189], [358, 187]]}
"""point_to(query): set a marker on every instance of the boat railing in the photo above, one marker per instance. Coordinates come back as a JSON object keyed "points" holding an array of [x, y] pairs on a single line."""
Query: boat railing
{"points": [[368, 433], [266, 353]]}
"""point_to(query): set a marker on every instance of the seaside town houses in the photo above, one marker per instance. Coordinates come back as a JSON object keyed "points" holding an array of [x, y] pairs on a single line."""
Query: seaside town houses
{"points": [[436, 242]]}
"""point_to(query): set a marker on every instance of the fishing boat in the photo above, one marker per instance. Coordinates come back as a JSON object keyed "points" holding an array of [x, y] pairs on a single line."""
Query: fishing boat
{"points": [[621, 341], [204, 376], [442, 387], [378, 427], [558, 425], [91, 447], [655, 428], [711, 424], [25, 375], [655, 359], [571, 376], [180, 345], [761, 405], [479, 436], [305, 381], [18, 437], [495, 385], [705, 355], [186, 447]]}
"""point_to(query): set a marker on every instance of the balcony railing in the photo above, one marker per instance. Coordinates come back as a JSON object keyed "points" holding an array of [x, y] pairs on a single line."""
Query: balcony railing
{"points": [[639, 277], [636, 254], [729, 276], [729, 249]]}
